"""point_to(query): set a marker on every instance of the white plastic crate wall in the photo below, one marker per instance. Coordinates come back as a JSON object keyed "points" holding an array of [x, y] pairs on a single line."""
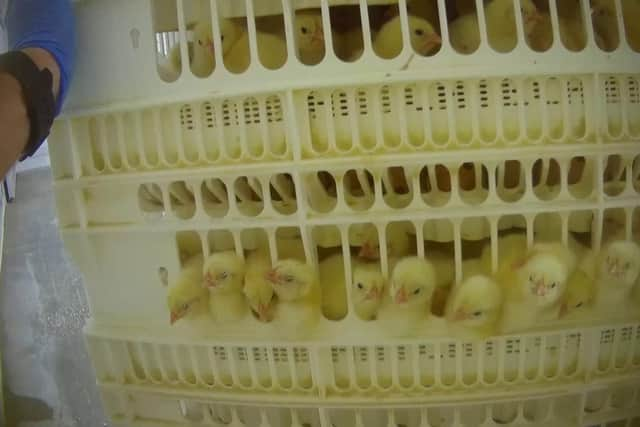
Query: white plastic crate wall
{"points": [[139, 35], [419, 369], [451, 149], [600, 406]]}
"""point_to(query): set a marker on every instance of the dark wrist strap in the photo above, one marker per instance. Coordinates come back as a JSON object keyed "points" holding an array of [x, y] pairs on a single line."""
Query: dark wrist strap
{"points": [[37, 93]]}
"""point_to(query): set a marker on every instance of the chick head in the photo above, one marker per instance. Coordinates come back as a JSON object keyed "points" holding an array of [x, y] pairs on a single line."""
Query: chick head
{"points": [[309, 32], [230, 32], [620, 263], [261, 299], [292, 279], [424, 37], [500, 11], [224, 272], [203, 38], [530, 15], [580, 293], [182, 299], [368, 284], [476, 302], [543, 277], [412, 282]]}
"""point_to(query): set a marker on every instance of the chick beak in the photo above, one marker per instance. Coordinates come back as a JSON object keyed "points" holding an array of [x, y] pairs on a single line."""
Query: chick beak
{"points": [[209, 281], [541, 289], [431, 42], [174, 318], [401, 296], [372, 294], [210, 48], [318, 36], [368, 252], [459, 315], [263, 313], [272, 276]]}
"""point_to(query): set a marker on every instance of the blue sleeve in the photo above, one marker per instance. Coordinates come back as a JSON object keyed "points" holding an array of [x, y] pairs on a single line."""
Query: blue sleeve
{"points": [[46, 24]]}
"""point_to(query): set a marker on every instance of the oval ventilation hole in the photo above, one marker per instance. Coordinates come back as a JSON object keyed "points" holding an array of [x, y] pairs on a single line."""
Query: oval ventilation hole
{"points": [[150, 201], [320, 191], [435, 185], [396, 187], [546, 179], [182, 200], [473, 180], [249, 196], [359, 189], [283, 194], [215, 198], [614, 176]]}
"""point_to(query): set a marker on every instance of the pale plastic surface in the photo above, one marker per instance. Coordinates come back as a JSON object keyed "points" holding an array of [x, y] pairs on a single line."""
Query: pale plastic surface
{"points": [[118, 41], [225, 161], [613, 405]]}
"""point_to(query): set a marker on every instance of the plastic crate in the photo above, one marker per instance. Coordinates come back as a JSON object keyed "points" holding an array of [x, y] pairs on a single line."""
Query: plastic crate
{"points": [[598, 406], [452, 149]]}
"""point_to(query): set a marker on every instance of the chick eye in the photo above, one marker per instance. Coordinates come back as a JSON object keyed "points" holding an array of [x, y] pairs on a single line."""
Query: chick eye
{"points": [[531, 278], [477, 313], [417, 291], [360, 286], [627, 266], [185, 307], [304, 30], [553, 285], [288, 279], [419, 32], [223, 275], [222, 38], [200, 42], [578, 305]]}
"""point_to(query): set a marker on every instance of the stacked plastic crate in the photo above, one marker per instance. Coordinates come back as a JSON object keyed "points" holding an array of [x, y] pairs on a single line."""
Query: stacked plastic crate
{"points": [[454, 149]]}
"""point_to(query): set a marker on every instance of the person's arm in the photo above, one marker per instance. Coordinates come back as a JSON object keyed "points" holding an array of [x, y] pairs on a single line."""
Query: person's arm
{"points": [[14, 122], [45, 31]]}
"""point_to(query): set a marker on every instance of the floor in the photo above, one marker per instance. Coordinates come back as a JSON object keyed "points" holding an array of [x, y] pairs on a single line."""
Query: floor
{"points": [[48, 380]]}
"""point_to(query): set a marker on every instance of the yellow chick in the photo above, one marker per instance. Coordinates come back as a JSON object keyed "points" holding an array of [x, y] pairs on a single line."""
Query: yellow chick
{"points": [[411, 287], [201, 56], [579, 297], [533, 281], [333, 286], [474, 307], [272, 51], [501, 26], [572, 33], [257, 289], [615, 269], [398, 242], [297, 286], [368, 289], [309, 37], [605, 24], [630, 13], [388, 41], [224, 277], [187, 297]]}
